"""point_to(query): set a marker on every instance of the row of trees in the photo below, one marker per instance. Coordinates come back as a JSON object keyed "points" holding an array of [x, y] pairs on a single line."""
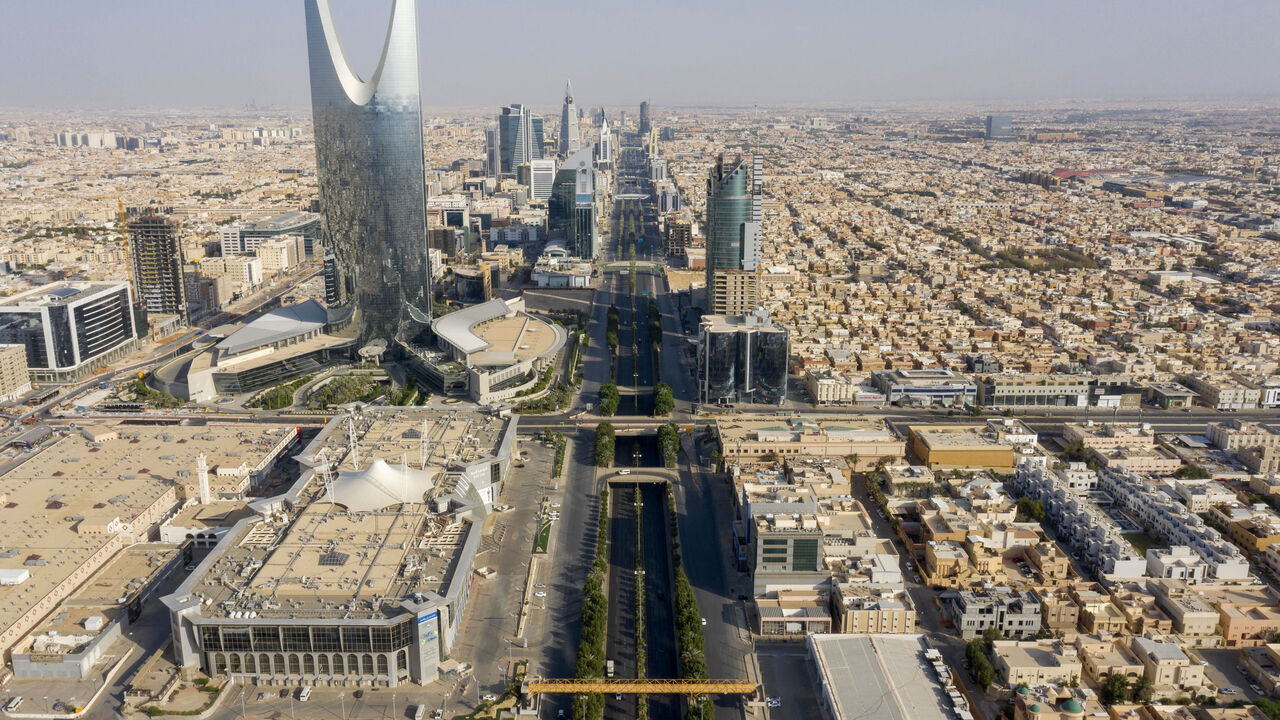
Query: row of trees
{"points": [[606, 444], [595, 618], [689, 637], [613, 323], [655, 340], [669, 444], [641, 630]]}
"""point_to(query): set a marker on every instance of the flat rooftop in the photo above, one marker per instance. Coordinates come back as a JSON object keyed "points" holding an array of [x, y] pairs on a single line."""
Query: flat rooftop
{"points": [[428, 440], [328, 562], [957, 438], [167, 453], [880, 676], [129, 572], [58, 293], [512, 339]]}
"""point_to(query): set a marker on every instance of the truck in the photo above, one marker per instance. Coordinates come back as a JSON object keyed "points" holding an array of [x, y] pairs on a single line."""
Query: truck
{"points": [[608, 668]]}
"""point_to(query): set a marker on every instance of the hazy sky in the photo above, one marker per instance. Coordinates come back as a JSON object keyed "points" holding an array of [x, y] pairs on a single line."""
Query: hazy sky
{"points": [[68, 54]]}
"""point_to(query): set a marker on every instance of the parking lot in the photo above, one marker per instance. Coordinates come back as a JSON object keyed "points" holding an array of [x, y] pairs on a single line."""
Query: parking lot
{"points": [[1222, 672]]}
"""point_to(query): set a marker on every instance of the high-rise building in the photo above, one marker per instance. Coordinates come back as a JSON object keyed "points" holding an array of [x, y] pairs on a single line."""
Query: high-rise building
{"points": [[999, 127], [644, 119], [676, 236], [742, 359], [571, 210], [69, 329], [542, 174], [492, 151], [570, 135], [520, 138], [156, 254], [368, 137], [733, 233], [604, 148]]}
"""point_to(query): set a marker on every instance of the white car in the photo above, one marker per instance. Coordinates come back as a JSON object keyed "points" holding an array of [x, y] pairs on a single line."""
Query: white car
{"points": [[1228, 691], [704, 622], [540, 594], [489, 697], [624, 471], [554, 505]]}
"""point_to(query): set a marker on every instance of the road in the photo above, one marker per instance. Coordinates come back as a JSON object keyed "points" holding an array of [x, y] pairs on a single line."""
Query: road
{"points": [[620, 638]]}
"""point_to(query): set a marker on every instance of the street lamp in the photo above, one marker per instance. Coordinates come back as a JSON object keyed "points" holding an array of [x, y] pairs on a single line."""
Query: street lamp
{"points": [[342, 698]]}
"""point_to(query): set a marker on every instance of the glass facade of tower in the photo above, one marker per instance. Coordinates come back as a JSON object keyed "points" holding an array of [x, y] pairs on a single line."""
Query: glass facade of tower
{"points": [[369, 167], [729, 211]]}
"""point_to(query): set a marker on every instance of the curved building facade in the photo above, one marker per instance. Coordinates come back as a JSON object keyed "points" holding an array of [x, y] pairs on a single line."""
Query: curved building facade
{"points": [[369, 167]]}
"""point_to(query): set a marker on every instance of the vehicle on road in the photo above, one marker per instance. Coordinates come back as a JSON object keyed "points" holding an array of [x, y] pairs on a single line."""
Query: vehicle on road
{"points": [[704, 622], [560, 714], [617, 696], [13, 704], [420, 712], [540, 585], [608, 668], [1228, 691], [540, 594], [489, 697], [262, 696], [773, 702], [304, 694], [624, 471]]}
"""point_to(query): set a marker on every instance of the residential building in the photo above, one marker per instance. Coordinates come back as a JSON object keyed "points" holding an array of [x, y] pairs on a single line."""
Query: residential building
{"points": [[1166, 665], [1102, 656], [1035, 662], [1178, 563], [1236, 434], [860, 609], [1191, 616], [14, 380], [1222, 392], [1015, 613]]}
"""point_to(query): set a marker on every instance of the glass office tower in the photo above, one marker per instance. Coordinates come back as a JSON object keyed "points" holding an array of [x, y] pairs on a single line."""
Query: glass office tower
{"points": [[733, 221], [369, 166]]}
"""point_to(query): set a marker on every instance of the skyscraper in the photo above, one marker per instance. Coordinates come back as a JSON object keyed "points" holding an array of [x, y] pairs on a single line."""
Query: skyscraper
{"points": [[571, 210], [492, 152], [368, 137], [542, 173], [999, 127], [604, 148], [644, 118], [570, 137], [733, 234], [520, 138], [156, 254]]}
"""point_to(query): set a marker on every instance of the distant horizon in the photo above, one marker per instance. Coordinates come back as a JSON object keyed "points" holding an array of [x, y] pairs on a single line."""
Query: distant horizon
{"points": [[156, 55]]}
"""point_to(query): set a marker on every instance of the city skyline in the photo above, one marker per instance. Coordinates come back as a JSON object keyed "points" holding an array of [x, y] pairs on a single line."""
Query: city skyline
{"points": [[827, 54]]}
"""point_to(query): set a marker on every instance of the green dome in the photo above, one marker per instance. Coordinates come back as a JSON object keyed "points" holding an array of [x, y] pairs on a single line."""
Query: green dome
{"points": [[1035, 707], [1072, 706], [1024, 690]]}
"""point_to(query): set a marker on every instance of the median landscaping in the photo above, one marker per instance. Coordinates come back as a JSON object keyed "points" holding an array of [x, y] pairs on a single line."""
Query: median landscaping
{"points": [[595, 619]]}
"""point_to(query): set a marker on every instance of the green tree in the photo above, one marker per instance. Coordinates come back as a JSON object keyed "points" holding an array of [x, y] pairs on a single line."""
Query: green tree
{"points": [[609, 399], [1115, 689], [1142, 690], [1192, 472], [669, 444], [663, 402], [1030, 510], [606, 440]]}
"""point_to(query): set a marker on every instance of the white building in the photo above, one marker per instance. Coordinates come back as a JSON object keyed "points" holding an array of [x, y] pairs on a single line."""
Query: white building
{"points": [[542, 174]]}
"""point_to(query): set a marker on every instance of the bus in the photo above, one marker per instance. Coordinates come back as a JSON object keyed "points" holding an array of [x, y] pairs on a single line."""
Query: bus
{"points": [[608, 668]]}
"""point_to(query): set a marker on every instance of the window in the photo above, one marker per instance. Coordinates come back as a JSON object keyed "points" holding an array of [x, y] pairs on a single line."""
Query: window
{"points": [[326, 637], [355, 638], [209, 638], [266, 638], [296, 638], [235, 638]]}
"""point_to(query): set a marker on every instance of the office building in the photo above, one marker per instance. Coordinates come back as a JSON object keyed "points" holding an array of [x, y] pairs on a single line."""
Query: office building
{"points": [[244, 238], [492, 151], [296, 603], [999, 127], [571, 209], [925, 387], [69, 329], [570, 133], [156, 254], [369, 168], [542, 174], [520, 138], [733, 218], [742, 359], [645, 123], [473, 284]]}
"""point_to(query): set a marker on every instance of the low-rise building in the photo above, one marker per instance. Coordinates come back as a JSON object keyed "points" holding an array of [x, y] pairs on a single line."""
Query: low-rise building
{"points": [[1222, 392], [14, 380], [1035, 662], [960, 446], [860, 609], [1035, 390], [1015, 613], [925, 387], [1165, 665], [748, 438], [1102, 656], [1237, 434], [1177, 563], [1191, 616]]}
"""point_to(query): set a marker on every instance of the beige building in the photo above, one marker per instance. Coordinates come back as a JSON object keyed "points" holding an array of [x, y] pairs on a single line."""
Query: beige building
{"points": [[1236, 434], [1035, 662], [734, 292], [1191, 616], [860, 609], [14, 381], [1166, 665], [1103, 656], [1108, 436], [751, 438], [960, 446]]}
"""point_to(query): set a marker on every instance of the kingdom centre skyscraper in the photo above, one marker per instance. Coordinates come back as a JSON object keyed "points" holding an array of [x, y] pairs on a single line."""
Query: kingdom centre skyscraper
{"points": [[369, 167]]}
